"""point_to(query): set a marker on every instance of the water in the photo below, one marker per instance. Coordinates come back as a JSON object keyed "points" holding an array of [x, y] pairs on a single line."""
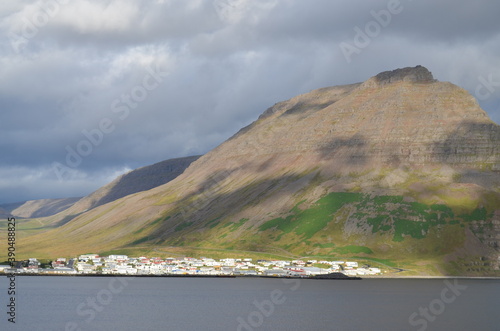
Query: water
{"points": [[102, 303]]}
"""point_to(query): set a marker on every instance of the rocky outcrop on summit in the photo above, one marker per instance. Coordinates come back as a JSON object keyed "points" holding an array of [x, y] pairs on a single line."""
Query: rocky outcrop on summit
{"points": [[417, 74]]}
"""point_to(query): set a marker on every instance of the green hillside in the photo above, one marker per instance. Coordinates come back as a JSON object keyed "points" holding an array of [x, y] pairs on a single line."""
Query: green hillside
{"points": [[343, 224]]}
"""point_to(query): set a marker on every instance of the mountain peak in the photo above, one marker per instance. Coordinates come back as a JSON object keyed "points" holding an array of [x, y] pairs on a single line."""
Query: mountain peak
{"points": [[418, 74]]}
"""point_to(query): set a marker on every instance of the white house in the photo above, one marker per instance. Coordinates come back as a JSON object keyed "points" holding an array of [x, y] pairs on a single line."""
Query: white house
{"points": [[85, 268], [3, 267], [125, 270], [118, 258]]}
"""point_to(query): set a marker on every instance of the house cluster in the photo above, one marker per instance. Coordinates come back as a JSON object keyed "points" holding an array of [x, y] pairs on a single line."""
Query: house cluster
{"points": [[27, 266], [124, 265]]}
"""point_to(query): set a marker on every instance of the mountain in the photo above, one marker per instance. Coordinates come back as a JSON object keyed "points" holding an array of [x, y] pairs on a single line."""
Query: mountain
{"points": [[40, 208], [141, 179], [401, 168], [138, 180]]}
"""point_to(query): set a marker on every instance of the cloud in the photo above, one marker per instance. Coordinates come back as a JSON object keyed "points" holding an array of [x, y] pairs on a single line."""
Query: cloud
{"points": [[70, 69]]}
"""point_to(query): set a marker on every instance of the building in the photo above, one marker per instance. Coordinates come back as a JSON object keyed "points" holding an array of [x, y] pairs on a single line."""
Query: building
{"points": [[118, 258], [4, 267], [275, 272], [86, 257]]}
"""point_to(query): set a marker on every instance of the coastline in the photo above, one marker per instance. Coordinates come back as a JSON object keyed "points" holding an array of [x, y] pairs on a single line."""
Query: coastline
{"points": [[322, 277], [248, 276], [432, 277]]}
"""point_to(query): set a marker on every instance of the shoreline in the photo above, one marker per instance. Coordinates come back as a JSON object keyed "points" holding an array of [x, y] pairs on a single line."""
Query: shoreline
{"points": [[319, 277], [432, 277]]}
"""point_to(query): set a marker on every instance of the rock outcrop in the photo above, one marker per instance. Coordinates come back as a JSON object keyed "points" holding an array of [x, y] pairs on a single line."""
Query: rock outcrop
{"points": [[417, 74]]}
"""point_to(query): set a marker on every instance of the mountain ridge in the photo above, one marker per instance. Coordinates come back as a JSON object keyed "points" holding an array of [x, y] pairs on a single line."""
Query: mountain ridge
{"points": [[138, 180], [41, 207]]}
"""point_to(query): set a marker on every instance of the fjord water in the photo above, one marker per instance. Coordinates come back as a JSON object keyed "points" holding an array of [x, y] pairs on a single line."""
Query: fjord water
{"points": [[109, 303]]}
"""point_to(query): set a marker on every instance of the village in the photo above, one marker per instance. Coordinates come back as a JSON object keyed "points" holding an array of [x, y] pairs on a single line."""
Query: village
{"points": [[93, 264]]}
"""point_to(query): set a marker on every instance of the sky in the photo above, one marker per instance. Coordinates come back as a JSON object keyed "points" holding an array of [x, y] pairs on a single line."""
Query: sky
{"points": [[92, 89]]}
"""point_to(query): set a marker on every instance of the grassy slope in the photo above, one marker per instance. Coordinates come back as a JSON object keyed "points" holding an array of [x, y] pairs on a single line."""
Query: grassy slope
{"points": [[339, 225], [347, 225]]}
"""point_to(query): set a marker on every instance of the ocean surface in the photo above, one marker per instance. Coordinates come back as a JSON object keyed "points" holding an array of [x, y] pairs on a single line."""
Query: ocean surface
{"points": [[109, 303]]}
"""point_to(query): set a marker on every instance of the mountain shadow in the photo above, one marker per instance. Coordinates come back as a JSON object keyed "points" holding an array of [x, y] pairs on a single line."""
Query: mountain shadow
{"points": [[471, 145], [353, 151], [146, 178]]}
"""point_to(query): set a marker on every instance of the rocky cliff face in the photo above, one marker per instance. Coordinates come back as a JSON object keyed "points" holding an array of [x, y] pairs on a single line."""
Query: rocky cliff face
{"points": [[398, 118]]}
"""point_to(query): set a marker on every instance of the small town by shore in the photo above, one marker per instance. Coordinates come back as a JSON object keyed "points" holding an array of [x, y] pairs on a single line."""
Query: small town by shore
{"points": [[123, 265]]}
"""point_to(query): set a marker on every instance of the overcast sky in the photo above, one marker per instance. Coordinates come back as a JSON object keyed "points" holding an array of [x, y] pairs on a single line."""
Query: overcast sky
{"points": [[91, 89]]}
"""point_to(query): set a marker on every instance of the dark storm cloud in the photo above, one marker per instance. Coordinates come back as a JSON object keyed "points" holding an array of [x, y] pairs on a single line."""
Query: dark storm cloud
{"points": [[103, 87], [449, 20]]}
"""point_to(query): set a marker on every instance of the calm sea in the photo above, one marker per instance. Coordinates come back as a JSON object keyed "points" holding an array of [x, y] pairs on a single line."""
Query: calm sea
{"points": [[102, 303]]}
